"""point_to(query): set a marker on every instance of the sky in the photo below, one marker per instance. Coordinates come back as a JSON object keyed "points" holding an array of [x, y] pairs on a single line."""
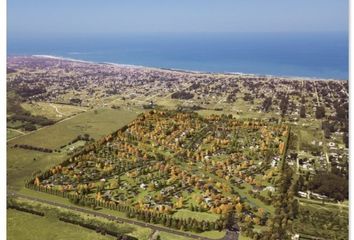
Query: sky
{"points": [[75, 17]]}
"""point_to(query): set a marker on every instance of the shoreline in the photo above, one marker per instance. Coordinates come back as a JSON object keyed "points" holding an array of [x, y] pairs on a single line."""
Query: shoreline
{"points": [[185, 70]]}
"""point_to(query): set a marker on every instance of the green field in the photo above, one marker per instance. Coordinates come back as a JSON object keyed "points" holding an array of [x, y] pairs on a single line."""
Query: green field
{"points": [[184, 213], [169, 236], [96, 123], [326, 221], [26, 226], [52, 214], [21, 163], [11, 133], [51, 110], [307, 136]]}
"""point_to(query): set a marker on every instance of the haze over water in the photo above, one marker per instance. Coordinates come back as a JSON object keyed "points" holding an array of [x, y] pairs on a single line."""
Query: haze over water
{"points": [[321, 55]]}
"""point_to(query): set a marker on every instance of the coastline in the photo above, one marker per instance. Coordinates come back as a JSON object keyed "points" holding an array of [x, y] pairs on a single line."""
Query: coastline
{"points": [[293, 78]]}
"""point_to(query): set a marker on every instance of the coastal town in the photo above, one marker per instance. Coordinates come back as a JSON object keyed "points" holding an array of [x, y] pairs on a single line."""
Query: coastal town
{"points": [[205, 153]]}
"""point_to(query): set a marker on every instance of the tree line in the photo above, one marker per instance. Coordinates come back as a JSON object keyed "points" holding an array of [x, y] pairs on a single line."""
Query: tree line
{"points": [[189, 224], [29, 147], [98, 225]]}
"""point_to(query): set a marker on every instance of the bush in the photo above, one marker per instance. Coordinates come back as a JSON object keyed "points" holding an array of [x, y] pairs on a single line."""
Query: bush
{"points": [[29, 127], [182, 95]]}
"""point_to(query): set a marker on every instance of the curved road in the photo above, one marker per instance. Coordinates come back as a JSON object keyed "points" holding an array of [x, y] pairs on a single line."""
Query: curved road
{"points": [[228, 236], [56, 109]]}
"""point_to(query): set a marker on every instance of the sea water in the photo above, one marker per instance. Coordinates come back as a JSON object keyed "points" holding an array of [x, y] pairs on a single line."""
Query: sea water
{"points": [[319, 55]]}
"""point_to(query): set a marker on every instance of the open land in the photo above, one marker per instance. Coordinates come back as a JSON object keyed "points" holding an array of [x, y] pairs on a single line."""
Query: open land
{"points": [[204, 154]]}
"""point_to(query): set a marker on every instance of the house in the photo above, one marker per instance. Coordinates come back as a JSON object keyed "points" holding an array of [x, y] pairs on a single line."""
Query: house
{"points": [[274, 163], [238, 180], [269, 188], [319, 196], [303, 194], [167, 190], [207, 200], [256, 189], [107, 194], [295, 237]]}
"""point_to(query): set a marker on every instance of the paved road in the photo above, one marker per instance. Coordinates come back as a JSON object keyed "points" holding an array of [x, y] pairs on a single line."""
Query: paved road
{"points": [[229, 235]]}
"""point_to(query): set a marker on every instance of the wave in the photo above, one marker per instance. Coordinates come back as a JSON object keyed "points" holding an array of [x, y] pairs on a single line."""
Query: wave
{"points": [[62, 58]]}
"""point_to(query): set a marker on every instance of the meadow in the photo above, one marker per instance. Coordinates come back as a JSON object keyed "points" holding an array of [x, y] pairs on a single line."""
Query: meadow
{"points": [[21, 163], [26, 226]]}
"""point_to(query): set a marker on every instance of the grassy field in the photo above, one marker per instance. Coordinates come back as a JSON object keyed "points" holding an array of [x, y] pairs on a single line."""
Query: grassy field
{"points": [[169, 236], [14, 124], [184, 213], [51, 110], [11, 133], [21, 163], [51, 215], [242, 237], [254, 201], [329, 222], [307, 136], [213, 234], [26, 226], [96, 123]]}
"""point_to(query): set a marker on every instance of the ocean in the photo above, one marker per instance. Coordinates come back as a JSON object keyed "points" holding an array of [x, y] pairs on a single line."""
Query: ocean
{"points": [[318, 55]]}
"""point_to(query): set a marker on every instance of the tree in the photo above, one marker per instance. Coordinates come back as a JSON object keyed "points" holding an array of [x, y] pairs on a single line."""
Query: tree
{"points": [[346, 139], [294, 208], [29, 127], [114, 184], [283, 105], [320, 112], [37, 182], [266, 104], [239, 207], [179, 202], [256, 220], [230, 220], [331, 185], [260, 212], [302, 111]]}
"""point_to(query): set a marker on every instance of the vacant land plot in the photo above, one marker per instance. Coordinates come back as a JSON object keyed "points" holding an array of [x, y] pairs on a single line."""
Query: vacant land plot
{"points": [[51, 110], [26, 226], [169, 236], [329, 222], [184, 213], [21, 164], [96, 123], [308, 136]]}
